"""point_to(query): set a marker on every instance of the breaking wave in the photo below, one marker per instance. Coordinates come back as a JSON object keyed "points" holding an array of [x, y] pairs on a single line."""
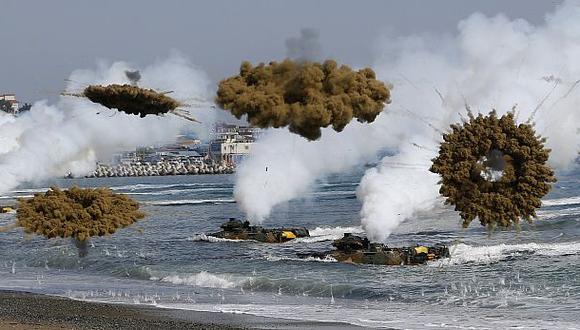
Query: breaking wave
{"points": [[29, 191], [562, 201], [338, 184], [190, 202], [175, 191], [551, 214], [16, 197], [334, 193], [145, 186], [464, 253], [281, 258], [206, 238], [204, 279], [320, 234]]}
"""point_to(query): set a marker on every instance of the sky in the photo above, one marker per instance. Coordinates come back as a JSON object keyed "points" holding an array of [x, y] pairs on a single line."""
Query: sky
{"points": [[42, 42]]}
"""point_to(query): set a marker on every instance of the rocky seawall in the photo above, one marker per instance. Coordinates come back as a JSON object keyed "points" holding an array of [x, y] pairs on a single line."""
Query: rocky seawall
{"points": [[161, 169]]}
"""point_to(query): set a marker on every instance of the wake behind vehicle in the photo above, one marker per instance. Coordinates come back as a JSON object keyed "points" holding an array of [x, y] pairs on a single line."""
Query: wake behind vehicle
{"points": [[238, 230], [359, 250]]}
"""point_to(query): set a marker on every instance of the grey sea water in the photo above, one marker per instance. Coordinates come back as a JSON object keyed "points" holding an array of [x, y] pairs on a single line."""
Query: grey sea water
{"points": [[516, 279]]}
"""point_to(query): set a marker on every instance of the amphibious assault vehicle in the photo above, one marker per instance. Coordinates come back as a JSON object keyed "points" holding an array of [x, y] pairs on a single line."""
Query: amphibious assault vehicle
{"points": [[236, 229], [7, 209], [359, 250]]}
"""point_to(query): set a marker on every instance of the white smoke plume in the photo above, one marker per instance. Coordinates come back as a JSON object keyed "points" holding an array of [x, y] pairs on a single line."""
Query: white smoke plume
{"points": [[74, 133], [284, 166], [492, 63], [398, 188]]}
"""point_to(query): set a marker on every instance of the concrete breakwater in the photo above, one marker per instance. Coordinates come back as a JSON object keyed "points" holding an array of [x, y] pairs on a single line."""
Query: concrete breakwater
{"points": [[162, 168]]}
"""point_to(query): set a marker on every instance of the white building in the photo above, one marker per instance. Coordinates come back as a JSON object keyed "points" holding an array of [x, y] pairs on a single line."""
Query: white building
{"points": [[231, 143], [234, 151], [11, 98]]}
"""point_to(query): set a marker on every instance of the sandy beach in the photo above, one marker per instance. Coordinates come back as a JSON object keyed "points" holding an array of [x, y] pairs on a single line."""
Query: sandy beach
{"points": [[21, 310]]}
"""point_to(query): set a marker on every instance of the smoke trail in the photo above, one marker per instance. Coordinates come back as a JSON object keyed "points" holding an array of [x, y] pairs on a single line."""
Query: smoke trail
{"points": [[493, 62], [133, 76], [304, 48], [74, 133]]}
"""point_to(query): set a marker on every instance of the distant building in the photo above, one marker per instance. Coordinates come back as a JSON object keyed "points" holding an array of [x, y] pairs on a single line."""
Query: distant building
{"points": [[182, 156], [231, 143], [11, 102], [233, 152]]}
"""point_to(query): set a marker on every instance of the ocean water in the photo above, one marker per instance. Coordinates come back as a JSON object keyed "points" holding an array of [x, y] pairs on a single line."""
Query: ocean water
{"points": [[510, 279]]}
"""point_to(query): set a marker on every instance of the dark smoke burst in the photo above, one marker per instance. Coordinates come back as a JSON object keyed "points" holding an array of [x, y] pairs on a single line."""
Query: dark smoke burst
{"points": [[131, 99], [77, 213], [134, 100], [494, 170], [133, 76], [305, 96]]}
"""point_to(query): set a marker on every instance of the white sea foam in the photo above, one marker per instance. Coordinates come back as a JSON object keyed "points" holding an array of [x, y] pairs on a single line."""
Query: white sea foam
{"points": [[320, 234], [551, 214], [562, 201], [206, 238], [15, 197], [191, 202], [30, 190], [338, 184], [315, 259], [334, 192], [463, 253], [205, 279], [143, 186], [175, 191]]}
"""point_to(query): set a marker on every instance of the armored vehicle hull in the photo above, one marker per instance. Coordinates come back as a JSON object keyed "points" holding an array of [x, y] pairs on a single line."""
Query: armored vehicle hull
{"points": [[7, 209], [358, 250], [235, 229]]}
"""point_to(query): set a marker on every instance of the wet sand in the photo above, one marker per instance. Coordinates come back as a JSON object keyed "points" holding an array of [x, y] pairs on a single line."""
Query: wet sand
{"points": [[21, 310]]}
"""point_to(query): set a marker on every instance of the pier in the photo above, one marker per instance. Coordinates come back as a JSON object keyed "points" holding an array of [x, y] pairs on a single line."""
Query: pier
{"points": [[162, 168]]}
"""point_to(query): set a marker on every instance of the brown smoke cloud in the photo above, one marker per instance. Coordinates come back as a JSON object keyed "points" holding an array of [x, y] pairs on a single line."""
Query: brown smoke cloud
{"points": [[305, 96], [78, 213], [494, 170], [131, 99]]}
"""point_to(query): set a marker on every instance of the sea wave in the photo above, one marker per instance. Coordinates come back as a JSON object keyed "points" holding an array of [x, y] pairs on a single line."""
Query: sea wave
{"points": [[205, 279], [464, 253], [190, 202], [206, 238], [282, 258], [562, 201], [334, 193], [175, 191], [338, 184], [144, 186], [320, 234], [551, 214], [16, 197], [30, 190]]}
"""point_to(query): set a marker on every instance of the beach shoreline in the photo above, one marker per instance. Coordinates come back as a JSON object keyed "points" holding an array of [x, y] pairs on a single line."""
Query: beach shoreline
{"points": [[24, 310]]}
